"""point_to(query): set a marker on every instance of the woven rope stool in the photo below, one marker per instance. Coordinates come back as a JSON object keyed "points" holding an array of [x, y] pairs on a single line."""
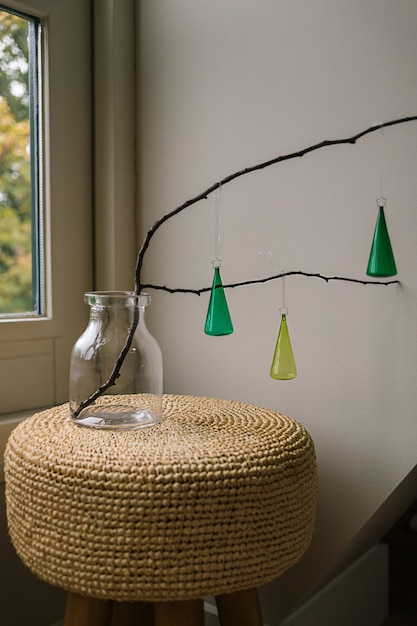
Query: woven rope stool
{"points": [[139, 526]]}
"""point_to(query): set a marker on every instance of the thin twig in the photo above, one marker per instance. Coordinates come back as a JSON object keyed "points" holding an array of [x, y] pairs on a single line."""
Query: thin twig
{"points": [[258, 281]]}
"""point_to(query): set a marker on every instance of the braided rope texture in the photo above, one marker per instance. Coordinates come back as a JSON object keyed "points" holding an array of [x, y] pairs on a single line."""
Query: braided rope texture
{"points": [[219, 496]]}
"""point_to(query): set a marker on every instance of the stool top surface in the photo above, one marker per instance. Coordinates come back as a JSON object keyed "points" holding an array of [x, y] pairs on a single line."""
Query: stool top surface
{"points": [[192, 430]]}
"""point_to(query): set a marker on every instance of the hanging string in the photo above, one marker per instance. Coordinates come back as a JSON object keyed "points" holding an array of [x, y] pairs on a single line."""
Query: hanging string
{"points": [[276, 265], [381, 166], [284, 308], [217, 228]]}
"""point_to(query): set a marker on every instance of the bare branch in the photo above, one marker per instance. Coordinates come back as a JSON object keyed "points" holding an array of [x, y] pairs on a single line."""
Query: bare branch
{"points": [[247, 170], [203, 195], [258, 281]]}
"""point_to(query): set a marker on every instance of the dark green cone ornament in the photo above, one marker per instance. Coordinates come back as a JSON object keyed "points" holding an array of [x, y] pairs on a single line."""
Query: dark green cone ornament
{"points": [[218, 320], [381, 260]]}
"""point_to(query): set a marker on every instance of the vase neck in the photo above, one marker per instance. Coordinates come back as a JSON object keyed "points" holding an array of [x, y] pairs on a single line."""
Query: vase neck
{"points": [[116, 299]]}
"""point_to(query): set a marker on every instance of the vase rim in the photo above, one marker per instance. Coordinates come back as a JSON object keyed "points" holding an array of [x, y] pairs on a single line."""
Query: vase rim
{"points": [[127, 298]]}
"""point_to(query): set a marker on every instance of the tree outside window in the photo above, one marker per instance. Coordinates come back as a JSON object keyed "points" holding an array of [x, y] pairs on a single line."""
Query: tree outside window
{"points": [[16, 258]]}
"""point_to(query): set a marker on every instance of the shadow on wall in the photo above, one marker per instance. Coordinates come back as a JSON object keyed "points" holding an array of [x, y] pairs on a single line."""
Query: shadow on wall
{"points": [[282, 596], [379, 525]]}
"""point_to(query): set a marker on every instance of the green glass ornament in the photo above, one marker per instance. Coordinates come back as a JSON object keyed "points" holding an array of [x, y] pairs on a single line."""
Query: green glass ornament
{"points": [[283, 364], [218, 321], [381, 259]]}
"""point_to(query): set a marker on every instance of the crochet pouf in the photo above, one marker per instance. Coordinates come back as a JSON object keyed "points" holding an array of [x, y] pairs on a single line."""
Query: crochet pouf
{"points": [[220, 496]]}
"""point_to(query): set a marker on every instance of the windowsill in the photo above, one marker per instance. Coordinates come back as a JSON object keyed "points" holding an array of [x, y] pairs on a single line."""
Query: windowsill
{"points": [[7, 424]]}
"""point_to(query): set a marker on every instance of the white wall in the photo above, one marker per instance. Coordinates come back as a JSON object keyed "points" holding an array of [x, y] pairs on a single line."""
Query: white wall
{"points": [[229, 83]]}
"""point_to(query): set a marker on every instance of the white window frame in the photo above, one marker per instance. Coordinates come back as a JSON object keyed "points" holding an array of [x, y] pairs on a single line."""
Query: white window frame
{"points": [[34, 352]]}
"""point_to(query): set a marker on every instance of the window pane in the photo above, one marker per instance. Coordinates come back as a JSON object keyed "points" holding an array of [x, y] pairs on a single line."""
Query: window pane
{"points": [[20, 242]]}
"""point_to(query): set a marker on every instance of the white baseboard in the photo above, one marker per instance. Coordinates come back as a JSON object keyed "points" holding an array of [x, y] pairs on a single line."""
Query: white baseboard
{"points": [[211, 615]]}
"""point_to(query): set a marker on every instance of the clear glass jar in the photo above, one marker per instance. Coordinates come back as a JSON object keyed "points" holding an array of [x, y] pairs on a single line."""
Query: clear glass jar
{"points": [[133, 398]]}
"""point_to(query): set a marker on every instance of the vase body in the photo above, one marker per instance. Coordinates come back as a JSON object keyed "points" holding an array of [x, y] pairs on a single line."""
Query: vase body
{"points": [[133, 399]]}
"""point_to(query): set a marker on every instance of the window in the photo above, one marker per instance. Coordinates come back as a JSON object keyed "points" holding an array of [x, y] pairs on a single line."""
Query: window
{"points": [[20, 174], [87, 190], [35, 349]]}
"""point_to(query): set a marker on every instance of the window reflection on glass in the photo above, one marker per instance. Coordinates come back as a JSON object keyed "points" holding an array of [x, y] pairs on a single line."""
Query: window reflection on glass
{"points": [[19, 166]]}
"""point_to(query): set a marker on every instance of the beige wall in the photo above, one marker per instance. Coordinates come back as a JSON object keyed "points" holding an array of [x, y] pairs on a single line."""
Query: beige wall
{"points": [[227, 84]]}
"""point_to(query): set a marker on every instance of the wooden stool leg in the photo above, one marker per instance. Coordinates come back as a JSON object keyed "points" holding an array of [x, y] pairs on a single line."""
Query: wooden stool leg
{"points": [[132, 614], [240, 608], [184, 613], [84, 611]]}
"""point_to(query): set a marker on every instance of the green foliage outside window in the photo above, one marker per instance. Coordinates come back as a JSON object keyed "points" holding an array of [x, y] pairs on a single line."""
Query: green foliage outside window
{"points": [[15, 184]]}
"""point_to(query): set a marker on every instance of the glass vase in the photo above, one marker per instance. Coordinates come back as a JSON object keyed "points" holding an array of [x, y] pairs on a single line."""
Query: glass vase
{"points": [[116, 374]]}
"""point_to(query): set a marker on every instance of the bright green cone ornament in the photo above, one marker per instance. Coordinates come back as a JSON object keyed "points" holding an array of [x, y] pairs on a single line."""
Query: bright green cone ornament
{"points": [[381, 260], [283, 364], [218, 320]]}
